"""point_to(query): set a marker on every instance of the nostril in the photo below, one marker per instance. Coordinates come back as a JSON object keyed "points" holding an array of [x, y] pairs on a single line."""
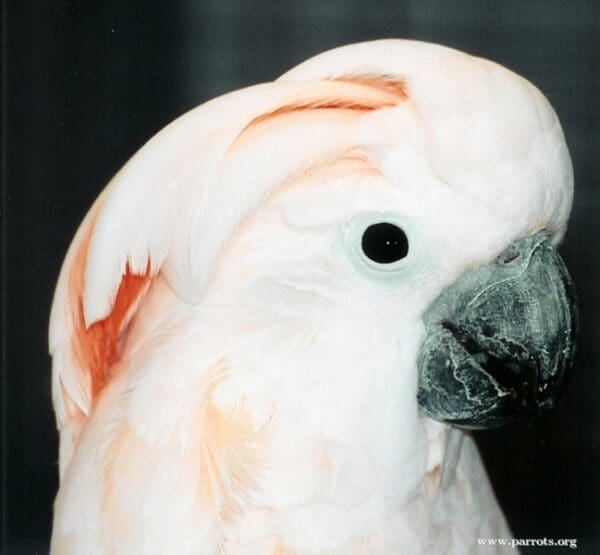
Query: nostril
{"points": [[508, 255]]}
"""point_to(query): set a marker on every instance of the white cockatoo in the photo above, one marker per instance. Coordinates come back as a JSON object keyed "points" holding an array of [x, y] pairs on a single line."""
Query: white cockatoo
{"points": [[276, 321]]}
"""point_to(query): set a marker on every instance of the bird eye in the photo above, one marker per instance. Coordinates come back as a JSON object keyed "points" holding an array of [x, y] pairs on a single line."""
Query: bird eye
{"points": [[384, 243]]}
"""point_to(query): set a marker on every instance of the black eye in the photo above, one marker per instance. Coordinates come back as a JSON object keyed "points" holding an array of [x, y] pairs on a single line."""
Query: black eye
{"points": [[384, 243]]}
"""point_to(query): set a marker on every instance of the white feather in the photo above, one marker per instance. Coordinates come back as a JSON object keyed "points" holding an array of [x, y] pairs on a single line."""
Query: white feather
{"points": [[265, 392]]}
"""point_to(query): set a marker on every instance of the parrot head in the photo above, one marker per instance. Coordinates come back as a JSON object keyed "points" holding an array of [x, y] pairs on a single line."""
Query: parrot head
{"points": [[416, 238], [369, 239], [273, 299]]}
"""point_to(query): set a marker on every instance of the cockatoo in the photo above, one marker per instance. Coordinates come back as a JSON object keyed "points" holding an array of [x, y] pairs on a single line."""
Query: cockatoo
{"points": [[275, 323]]}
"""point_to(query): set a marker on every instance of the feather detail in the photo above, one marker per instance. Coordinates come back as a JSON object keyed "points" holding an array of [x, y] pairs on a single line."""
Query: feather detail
{"points": [[83, 354], [153, 216], [230, 453], [454, 443]]}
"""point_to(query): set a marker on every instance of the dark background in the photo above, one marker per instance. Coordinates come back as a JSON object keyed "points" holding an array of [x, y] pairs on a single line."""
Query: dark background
{"points": [[87, 83]]}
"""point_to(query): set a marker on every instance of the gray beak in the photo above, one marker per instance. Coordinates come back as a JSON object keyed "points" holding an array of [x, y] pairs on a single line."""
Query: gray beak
{"points": [[500, 341]]}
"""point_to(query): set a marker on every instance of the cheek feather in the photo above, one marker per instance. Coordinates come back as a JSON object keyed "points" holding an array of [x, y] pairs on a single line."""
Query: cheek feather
{"points": [[117, 521], [280, 549], [230, 454]]}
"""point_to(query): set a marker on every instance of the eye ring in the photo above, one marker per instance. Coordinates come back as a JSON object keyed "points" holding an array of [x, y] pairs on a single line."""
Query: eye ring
{"points": [[354, 229], [384, 243]]}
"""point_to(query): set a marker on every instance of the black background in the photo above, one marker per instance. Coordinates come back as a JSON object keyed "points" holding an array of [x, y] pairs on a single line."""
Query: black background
{"points": [[87, 83]]}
